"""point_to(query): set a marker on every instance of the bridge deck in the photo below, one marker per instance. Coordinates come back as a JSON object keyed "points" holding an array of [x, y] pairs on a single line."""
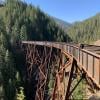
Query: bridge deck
{"points": [[86, 58]]}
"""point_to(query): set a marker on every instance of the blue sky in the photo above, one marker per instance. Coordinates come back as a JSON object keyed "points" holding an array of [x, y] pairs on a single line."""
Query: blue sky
{"points": [[68, 10]]}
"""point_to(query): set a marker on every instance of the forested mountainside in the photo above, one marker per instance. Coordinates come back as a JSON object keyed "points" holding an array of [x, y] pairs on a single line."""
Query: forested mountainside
{"points": [[34, 20], [86, 31], [63, 24], [19, 21]]}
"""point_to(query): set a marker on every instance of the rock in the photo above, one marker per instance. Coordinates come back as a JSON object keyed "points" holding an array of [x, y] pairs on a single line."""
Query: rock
{"points": [[95, 96]]}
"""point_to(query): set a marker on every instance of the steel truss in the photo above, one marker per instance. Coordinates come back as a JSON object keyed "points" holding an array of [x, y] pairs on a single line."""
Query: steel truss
{"points": [[50, 60]]}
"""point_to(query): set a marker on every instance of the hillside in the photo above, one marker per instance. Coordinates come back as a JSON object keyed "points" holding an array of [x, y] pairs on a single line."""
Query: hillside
{"points": [[19, 22], [62, 23], [86, 31]]}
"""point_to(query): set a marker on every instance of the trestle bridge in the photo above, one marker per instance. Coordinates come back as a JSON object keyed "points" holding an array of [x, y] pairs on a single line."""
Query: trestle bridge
{"points": [[58, 65]]}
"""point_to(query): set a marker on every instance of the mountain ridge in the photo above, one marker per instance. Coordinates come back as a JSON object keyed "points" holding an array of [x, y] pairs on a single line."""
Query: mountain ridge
{"points": [[62, 23], [86, 31]]}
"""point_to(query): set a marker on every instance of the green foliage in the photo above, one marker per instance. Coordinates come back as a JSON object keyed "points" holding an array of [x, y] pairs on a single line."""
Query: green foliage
{"points": [[86, 31], [27, 22], [2, 11], [2, 94], [80, 91], [20, 94], [9, 66], [6, 66], [8, 72], [18, 22], [15, 33], [23, 33], [64, 25]]}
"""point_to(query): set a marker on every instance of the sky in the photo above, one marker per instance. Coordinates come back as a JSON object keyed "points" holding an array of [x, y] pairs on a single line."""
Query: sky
{"points": [[68, 10]]}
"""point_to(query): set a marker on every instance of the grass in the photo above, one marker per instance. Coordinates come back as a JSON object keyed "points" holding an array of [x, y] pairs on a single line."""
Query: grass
{"points": [[80, 91]]}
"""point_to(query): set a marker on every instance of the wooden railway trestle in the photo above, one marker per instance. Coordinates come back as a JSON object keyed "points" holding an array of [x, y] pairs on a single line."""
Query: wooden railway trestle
{"points": [[58, 59]]}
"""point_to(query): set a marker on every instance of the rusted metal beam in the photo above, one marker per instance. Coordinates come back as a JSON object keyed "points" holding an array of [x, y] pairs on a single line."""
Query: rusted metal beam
{"points": [[39, 53]]}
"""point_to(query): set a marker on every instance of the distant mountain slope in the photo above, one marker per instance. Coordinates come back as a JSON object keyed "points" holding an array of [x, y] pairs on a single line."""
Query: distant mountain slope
{"points": [[62, 23], [87, 31]]}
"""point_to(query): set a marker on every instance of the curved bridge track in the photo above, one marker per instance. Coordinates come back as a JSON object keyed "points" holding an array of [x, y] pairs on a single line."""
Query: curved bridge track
{"points": [[64, 63]]}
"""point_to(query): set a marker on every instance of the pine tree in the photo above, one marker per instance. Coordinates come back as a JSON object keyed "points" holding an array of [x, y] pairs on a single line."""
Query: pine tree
{"points": [[9, 65], [23, 33], [15, 33], [2, 94], [3, 40], [2, 26], [2, 54], [8, 73]]}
